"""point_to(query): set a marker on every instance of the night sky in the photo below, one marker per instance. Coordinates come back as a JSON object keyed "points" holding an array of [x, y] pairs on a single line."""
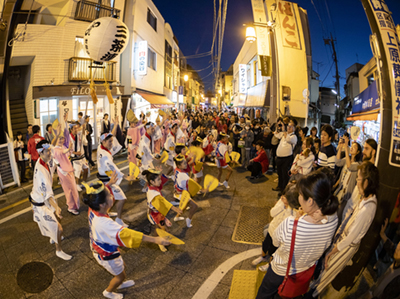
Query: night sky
{"points": [[192, 23]]}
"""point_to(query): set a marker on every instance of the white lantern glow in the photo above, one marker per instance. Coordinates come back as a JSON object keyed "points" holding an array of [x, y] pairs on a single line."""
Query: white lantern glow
{"points": [[105, 39]]}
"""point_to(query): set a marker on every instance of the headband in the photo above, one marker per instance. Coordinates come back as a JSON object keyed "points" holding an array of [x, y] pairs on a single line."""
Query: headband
{"points": [[91, 190], [179, 158], [149, 125], [44, 146], [151, 170], [199, 139]]}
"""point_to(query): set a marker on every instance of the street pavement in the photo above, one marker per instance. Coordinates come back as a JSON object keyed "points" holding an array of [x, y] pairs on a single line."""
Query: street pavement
{"points": [[178, 273]]}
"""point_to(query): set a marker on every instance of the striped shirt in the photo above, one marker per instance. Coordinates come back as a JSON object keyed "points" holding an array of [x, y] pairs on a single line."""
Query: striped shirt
{"points": [[310, 243], [327, 156]]}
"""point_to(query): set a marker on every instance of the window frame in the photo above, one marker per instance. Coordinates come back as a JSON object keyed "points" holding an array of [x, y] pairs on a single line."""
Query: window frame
{"points": [[48, 111], [151, 16], [151, 53]]}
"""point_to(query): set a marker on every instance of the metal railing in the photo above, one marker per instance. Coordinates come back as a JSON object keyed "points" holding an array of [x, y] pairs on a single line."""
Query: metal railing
{"points": [[90, 11], [79, 70]]}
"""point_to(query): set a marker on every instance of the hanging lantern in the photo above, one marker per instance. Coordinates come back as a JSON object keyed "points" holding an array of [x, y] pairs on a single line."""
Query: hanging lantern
{"points": [[105, 39]]}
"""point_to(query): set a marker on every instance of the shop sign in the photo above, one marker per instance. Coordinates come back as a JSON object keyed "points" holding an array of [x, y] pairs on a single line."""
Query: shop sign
{"points": [[391, 46], [367, 100], [180, 89], [142, 58], [174, 96], [265, 64], [260, 16], [242, 78], [289, 27], [72, 90]]}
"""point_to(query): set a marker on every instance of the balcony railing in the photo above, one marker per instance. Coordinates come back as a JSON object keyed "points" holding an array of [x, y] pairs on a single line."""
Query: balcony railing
{"points": [[79, 70], [90, 11]]}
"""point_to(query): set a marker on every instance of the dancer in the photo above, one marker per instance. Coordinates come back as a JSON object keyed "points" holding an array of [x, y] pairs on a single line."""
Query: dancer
{"points": [[65, 171], [146, 148], [44, 205], [169, 146], [77, 157], [181, 183], [156, 181], [107, 235], [133, 138], [198, 158], [158, 135], [221, 149], [107, 149]]}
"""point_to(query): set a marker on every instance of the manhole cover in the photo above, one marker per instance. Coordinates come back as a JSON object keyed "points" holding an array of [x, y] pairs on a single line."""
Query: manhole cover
{"points": [[250, 224], [34, 277]]}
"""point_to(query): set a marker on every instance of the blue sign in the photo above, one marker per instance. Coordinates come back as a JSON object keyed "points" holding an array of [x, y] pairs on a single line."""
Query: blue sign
{"points": [[367, 100]]}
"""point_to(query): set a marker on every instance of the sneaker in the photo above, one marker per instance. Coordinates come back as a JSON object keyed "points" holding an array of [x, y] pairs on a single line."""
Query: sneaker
{"points": [[264, 268], [73, 212], [189, 222], [258, 260], [176, 219], [52, 241], [112, 295], [78, 187], [120, 222], [62, 255], [126, 284], [225, 183]]}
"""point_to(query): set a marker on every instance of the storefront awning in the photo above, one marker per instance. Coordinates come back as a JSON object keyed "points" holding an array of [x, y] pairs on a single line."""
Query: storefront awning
{"points": [[366, 101], [239, 100], [156, 100], [369, 115], [258, 95]]}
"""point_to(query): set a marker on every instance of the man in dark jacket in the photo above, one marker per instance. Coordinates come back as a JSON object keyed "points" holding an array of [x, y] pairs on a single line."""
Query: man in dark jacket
{"points": [[88, 147]]}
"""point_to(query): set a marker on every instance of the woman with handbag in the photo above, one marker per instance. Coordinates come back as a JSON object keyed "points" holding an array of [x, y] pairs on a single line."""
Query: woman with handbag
{"points": [[353, 228], [301, 241]]}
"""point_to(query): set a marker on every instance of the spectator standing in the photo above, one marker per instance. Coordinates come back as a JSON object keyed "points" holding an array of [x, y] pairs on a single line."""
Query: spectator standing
{"points": [[19, 146], [88, 146], [314, 132], [35, 139], [29, 132], [248, 136], [49, 135], [105, 124], [257, 130], [284, 154], [327, 154], [81, 119]]}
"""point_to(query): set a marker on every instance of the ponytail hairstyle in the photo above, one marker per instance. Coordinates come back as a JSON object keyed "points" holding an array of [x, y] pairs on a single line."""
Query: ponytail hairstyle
{"points": [[359, 155], [292, 195], [151, 175], [94, 195], [317, 185], [369, 172]]}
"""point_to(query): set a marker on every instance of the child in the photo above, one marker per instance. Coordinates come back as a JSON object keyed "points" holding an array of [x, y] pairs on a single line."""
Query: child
{"points": [[156, 182], [283, 208], [181, 183], [220, 151], [198, 175], [106, 236]]}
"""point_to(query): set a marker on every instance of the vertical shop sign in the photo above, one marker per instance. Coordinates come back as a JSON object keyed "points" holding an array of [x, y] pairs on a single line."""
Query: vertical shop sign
{"points": [[142, 58], [242, 78], [289, 28], [391, 45]]}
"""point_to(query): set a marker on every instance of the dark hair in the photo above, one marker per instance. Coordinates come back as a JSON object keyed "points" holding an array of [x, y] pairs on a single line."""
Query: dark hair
{"points": [[105, 114], [294, 121], [178, 163], [329, 173], [318, 186], [35, 129], [317, 140], [292, 195], [18, 133], [260, 143], [372, 143], [370, 173], [29, 125], [305, 131], [80, 113], [48, 126], [40, 143], [179, 148], [359, 155], [195, 143], [150, 176], [173, 126], [314, 129], [95, 200], [328, 129]]}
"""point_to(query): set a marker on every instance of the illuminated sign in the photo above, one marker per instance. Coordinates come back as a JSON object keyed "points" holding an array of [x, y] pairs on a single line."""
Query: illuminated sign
{"points": [[242, 78], [288, 22], [142, 58]]}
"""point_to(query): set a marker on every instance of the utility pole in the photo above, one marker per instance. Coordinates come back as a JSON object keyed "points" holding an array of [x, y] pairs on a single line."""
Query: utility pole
{"points": [[331, 42]]}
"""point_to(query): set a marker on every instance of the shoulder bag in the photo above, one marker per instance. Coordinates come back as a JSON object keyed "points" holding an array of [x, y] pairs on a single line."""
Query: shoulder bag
{"points": [[297, 284]]}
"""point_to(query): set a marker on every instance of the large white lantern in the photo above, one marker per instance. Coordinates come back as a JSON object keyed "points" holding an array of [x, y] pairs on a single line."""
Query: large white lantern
{"points": [[106, 38]]}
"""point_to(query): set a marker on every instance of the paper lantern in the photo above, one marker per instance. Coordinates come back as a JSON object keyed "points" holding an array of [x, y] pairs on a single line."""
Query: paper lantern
{"points": [[106, 38]]}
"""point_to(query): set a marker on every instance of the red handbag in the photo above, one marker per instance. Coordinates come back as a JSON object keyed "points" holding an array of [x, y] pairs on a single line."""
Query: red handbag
{"points": [[297, 284]]}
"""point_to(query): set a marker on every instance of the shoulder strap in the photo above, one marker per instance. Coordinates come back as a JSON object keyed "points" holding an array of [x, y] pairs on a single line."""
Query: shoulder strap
{"points": [[292, 246]]}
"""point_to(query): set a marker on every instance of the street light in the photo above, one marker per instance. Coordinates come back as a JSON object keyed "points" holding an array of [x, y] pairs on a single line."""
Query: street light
{"points": [[186, 78], [250, 34], [334, 91]]}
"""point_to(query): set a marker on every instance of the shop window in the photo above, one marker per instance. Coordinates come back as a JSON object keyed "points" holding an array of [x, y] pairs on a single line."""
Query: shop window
{"points": [[48, 113], [152, 60], [80, 48], [151, 19]]}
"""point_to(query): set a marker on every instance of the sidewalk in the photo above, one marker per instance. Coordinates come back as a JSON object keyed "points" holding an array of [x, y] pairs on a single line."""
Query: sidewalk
{"points": [[177, 273]]}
